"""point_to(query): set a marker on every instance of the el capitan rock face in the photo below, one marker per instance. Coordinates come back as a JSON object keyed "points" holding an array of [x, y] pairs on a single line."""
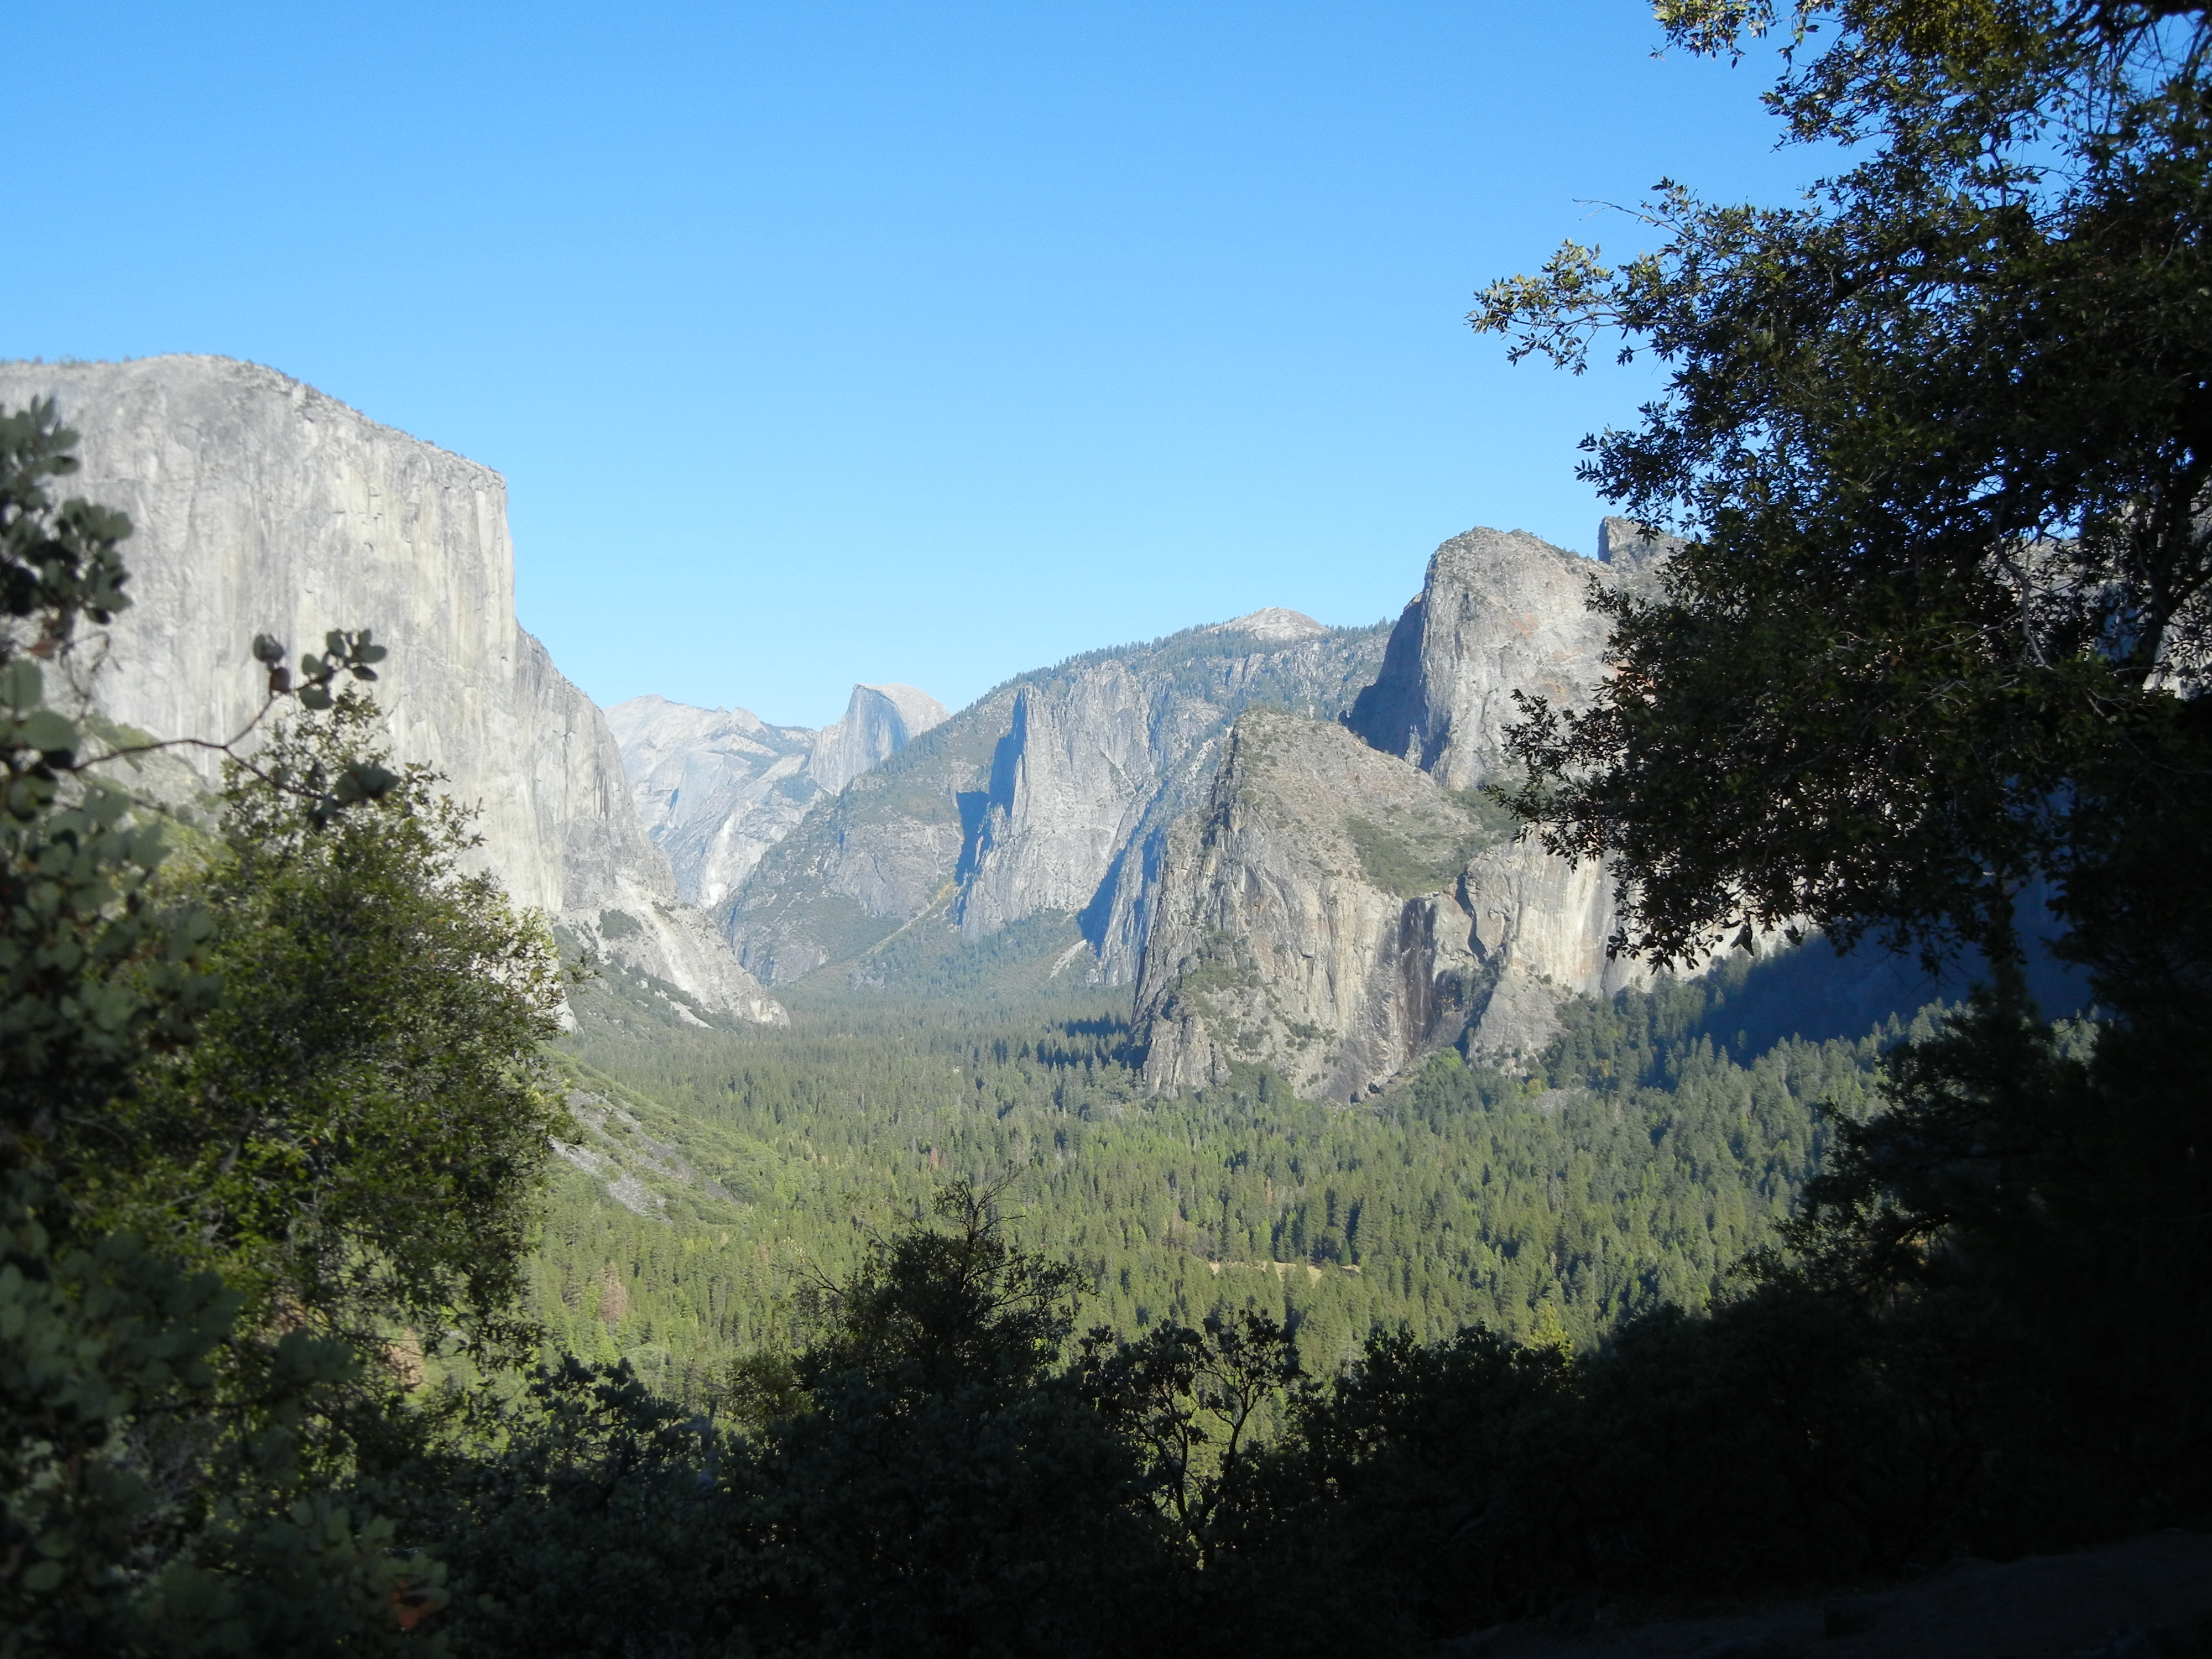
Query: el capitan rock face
{"points": [[262, 505]]}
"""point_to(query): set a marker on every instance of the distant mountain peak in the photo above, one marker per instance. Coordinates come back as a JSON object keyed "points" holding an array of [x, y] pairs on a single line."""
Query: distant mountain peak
{"points": [[918, 710], [1274, 624], [1627, 541], [715, 788]]}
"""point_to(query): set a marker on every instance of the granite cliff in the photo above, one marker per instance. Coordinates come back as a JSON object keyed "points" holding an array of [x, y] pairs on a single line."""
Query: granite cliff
{"points": [[1500, 611], [1308, 917], [1045, 804], [1347, 904], [262, 505], [716, 788], [879, 721]]}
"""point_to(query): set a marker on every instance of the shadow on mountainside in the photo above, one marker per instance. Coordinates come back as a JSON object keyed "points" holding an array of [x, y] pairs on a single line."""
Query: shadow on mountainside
{"points": [[1816, 994], [2146, 1598]]}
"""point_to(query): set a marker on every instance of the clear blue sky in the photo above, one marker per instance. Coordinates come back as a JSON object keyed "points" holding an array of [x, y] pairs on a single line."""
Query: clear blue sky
{"points": [[826, 341]]}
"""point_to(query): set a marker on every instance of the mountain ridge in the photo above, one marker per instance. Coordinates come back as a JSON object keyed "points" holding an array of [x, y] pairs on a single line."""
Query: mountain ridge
{"points": [[716, 788], [1041, 797]]}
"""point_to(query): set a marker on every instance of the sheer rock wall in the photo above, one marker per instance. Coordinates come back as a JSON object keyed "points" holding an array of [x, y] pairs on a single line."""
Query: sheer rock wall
{"points": [[262, 505], [1049, 797], [1308, 917], [879, 721], [1501, 612], [1294, 932]]}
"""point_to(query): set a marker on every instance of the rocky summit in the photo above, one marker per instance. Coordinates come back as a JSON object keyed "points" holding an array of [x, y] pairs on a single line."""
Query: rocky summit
{"points": [[1500, 612], [716, 788], [261, 505], [1347, 904]]}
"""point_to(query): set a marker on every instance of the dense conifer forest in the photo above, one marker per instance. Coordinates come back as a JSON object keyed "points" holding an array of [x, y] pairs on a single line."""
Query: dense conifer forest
{"points": [[1653, 1150]]}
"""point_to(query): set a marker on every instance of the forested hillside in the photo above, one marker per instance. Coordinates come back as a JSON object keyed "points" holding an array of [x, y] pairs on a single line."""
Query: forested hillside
{"points": [[1655, 1148]]}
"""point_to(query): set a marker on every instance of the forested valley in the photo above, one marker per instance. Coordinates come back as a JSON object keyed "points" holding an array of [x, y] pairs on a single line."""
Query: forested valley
{"points": [[378, 1276], [1638, 1167]]}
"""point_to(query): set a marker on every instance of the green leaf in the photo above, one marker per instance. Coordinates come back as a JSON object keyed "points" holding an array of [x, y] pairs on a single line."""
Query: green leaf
{"points": [[47, 732], [22, 684], [44, 1577]]}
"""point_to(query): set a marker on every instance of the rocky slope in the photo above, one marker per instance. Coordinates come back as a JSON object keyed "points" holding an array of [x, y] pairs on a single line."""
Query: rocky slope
{"points": [[261, 505], [1308, 917], [1346, 904], [716, 788], [1047, 801]]}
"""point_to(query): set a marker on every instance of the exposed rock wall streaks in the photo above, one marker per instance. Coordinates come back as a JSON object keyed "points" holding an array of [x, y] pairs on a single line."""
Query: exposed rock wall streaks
{"points": [[1325, 917], [262, 505], [1309, 920]]}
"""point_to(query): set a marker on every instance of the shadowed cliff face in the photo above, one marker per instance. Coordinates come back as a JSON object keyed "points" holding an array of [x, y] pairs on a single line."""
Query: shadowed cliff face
{"points": [[1050, 796], [1069, 782], [261, 505], [716, 788], [1347, 905]]}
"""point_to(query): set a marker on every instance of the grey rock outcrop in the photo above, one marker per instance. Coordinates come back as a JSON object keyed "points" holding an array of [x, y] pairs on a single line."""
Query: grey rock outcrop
{"points": [[1274, 624], [262, 505], [1634, 546], [1540, 925], [1274, 944], [879, 721], [1500, 611], [1069, 783], [1311, 918], [1051, 796], [716, 788]]}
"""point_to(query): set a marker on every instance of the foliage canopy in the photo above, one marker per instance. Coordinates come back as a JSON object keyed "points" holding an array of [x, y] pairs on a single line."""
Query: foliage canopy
{"points": [[1938, 434], [1936, 657], [225, 1096]]}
